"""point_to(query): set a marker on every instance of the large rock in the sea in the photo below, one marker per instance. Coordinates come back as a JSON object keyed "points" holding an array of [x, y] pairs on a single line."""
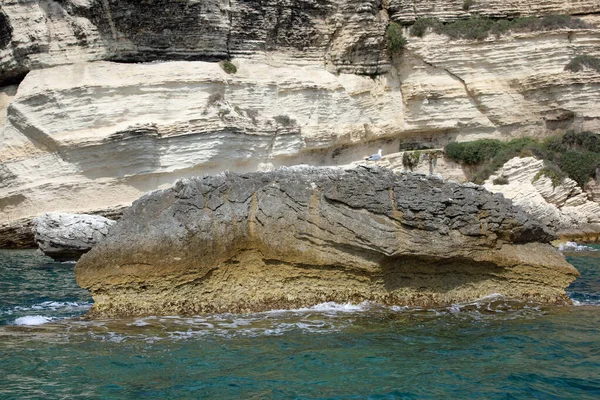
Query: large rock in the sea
{"points": [[66, 237], [300, 236]]}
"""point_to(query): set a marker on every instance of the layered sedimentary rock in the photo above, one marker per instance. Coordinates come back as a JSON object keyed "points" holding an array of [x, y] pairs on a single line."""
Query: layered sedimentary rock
{"points": [[301, 236], [408, 11], [562, 206], [347, 35], [315, 84], [65, 237]]}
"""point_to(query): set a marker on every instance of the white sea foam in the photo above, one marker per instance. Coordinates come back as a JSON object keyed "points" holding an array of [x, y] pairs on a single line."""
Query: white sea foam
{"points": [[586, 302], [328, 307], [32, 320], [572, 246], [55, 306]]}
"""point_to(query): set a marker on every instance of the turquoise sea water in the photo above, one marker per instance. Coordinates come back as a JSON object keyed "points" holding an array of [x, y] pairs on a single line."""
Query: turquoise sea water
{"points": [[490, 349]]}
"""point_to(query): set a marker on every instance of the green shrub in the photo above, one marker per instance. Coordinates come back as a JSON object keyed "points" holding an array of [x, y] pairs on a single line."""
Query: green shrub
{"points": [[502, 180], [580, 62], [580, 166], [422, 25], [551, 171], [467, 4], [478, 28], [395, 38], [284, 120], [475, 152], [547, 23], [472, 28], [410, 159], [228, 67], [213, 98]]}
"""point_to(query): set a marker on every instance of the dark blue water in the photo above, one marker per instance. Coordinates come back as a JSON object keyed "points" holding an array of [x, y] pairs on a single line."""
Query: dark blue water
{"points": [[490, 349]]}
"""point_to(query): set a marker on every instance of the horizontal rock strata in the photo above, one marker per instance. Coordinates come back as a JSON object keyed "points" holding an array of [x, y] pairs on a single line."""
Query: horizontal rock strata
{"points": [[563, 207], [301, 236]]}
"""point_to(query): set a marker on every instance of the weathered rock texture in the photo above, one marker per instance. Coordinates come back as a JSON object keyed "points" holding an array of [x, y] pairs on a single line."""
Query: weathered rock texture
{"points": [[562, 207], [315, 84], [296, 237], [65, 237]]}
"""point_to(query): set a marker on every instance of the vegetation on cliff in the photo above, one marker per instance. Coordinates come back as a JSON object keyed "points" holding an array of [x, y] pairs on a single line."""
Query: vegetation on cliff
{"points": [[480, 28], [395, 38], [582, 62], [574, 154]]}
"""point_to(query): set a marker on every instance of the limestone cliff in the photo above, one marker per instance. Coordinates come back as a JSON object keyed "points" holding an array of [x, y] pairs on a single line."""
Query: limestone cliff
{"points": [[122, 97], [301, 236]]}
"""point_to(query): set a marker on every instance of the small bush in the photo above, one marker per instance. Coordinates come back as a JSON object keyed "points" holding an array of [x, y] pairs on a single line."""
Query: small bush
{"points": [[228, 67], [284, 120], [422, 25], [472, 153], [472, 28], [502, 180], [213, 98], [467, 4], [548, 23], [579, 63], [410, 159], [553, 172], [395, 38], [580, 166], [480, 28]]}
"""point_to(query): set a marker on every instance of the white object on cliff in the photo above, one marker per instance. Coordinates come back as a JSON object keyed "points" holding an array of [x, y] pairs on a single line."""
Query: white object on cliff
{"points": [[374, 157]]}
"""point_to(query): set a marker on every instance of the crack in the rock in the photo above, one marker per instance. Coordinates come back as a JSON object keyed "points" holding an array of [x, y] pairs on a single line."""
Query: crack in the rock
{"points": [[472, 97]]}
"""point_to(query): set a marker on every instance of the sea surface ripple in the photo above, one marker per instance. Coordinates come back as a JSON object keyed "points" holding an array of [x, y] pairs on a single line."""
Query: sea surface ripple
{"points": [[494, 348]]}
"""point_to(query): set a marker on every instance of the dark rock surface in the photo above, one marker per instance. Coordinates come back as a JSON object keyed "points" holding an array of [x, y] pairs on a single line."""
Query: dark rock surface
{"points": [[65, 237], [303, 235]]}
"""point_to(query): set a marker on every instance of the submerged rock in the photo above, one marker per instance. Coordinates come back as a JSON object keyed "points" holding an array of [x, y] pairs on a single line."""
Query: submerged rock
{"points": [[301, 236], [65, 237]]}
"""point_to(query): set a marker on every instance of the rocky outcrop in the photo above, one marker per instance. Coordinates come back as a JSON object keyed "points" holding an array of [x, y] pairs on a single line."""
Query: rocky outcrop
{"points": [[65, 237], [563, 206], [301, 236]]}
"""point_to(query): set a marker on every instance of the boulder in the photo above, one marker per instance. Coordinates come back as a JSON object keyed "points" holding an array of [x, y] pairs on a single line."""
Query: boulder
{"points": [[295, 237], [65, 237]]}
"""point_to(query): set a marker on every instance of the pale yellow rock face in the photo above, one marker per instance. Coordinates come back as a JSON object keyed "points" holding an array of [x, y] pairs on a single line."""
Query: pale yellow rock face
{"points": [[81, 135], [509, 86]]}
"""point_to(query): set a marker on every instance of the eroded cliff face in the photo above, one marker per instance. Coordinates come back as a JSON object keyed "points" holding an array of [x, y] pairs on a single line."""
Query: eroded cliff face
{"points": [[562, 206], [315, 84], [301, 236]]}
